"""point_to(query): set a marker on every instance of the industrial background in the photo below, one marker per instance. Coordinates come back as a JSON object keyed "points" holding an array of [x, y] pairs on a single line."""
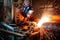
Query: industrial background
{"points": [[29, 19]]}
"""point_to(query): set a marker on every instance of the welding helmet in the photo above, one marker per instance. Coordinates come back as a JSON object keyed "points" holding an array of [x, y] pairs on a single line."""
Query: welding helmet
{"points": [[26, 10]]}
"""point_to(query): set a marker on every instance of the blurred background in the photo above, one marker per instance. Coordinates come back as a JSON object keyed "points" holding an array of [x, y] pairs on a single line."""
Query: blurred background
{"points": [[30, 19]]}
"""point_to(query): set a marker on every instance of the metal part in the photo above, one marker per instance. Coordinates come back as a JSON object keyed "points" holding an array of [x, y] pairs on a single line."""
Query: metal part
{"points": [[12, 33]]}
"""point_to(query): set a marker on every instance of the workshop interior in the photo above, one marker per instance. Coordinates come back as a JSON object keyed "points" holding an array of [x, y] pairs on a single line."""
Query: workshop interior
{"points": [[29, 19]]}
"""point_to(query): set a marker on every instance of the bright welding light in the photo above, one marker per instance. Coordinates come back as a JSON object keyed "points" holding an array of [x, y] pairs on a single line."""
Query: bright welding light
{"points": [[43, 20], [29, 13]]}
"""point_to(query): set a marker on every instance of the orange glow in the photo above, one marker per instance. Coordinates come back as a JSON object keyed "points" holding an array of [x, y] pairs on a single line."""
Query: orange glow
{"points": [[47, 18], [43, 20], [55, 17]]}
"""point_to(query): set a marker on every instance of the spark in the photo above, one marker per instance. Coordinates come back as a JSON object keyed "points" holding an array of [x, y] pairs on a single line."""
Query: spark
{"points": [[45, 33], [43, 20]]}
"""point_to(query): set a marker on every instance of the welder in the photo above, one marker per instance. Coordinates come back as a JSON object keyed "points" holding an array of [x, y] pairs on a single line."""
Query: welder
{"points": [[23, 13]]}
